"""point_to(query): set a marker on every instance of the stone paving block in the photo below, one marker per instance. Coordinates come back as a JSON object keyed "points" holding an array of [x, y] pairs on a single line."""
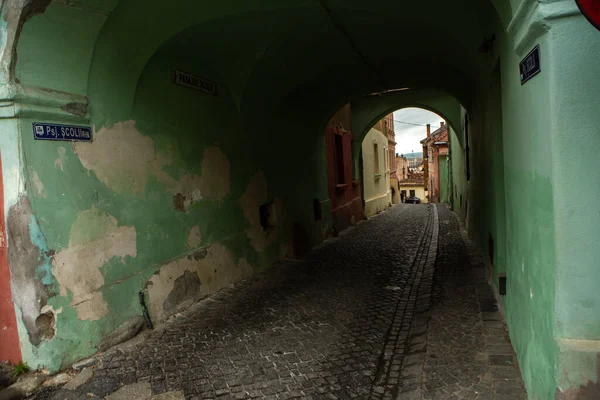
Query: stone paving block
{"points": [[179, 395], [81, 378], [502, 373], [502, 360], [138, 391], [499, 349], [63, 394]]}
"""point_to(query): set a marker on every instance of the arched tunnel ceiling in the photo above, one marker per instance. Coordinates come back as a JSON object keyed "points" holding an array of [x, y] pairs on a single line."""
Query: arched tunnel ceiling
{"points": [[276, 56]]}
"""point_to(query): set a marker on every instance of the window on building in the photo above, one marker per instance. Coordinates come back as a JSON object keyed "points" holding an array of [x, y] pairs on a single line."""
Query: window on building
{"points": [[412, 193], [385, 160], [376, 158], [339, 159]]}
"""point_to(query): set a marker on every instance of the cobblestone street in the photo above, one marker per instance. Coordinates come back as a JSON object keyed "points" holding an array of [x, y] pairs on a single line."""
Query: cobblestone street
{"points": [[396, 308]]}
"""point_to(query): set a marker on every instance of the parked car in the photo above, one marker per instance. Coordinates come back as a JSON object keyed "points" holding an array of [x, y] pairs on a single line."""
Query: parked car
{"points": [[413, 200]]}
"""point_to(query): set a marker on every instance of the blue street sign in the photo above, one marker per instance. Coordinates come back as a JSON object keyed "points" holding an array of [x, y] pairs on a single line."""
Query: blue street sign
{"points": [[530, 66], [43, 131]]}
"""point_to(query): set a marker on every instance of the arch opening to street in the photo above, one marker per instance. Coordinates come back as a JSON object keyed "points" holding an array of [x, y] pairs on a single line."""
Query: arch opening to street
{"points": [[409, 176]]}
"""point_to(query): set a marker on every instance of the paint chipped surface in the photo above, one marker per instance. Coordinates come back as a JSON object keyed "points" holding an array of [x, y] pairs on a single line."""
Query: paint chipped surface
{"points": [[124, 159], [190, 185], [39, 186], [255, 195], [26, 255], [580, 370], [121, 157], [46, 321], [214, 269], [95, 238], [194, 237], [58, 163], [215, 183]]}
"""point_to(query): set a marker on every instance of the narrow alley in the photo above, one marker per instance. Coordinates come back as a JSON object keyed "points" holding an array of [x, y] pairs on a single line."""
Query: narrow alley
{"points": [[395, 308]]}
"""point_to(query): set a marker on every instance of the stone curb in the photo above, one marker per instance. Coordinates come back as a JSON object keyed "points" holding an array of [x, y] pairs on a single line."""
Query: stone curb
{"points": [[411, 373], [411, 315]]}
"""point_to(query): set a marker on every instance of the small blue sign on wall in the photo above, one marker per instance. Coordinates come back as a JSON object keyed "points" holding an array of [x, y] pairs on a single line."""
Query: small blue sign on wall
{"points": [[43, 131], [530, 66]]}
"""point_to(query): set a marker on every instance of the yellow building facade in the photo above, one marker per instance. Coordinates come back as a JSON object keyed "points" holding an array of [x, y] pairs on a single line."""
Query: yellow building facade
{"points": [[417, 190], [376, 172]]}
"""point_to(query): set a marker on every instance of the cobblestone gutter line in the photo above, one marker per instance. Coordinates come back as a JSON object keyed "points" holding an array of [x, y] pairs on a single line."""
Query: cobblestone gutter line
{"points": [[411, 377], [465, 352], [411, 314]]}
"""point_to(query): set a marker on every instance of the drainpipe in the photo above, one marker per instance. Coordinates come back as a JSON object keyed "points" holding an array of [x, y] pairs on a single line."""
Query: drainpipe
{"points": [[450, 177], [426, 162]]}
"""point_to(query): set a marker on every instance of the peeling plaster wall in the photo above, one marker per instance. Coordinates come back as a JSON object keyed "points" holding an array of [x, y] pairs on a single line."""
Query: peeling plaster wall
{"points": [[27, 254], [254, 196], [165, 201], [188, 279], [95, 238], [123, 159]]}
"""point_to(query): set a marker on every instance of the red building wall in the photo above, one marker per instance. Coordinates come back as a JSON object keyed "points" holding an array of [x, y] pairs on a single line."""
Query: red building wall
{"points": [[344, 190], [10, 349], [435, 150]]}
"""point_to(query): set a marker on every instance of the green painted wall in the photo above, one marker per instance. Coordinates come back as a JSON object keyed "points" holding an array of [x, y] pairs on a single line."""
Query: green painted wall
{"points": [[575, 135], [488, 207], [444, 180], [175, 140], [510, 199], [67, 72], [459, 170]]}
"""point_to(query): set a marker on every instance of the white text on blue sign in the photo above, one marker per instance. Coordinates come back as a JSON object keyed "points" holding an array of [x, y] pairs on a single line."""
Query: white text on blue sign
{"points": [[43, 131]]}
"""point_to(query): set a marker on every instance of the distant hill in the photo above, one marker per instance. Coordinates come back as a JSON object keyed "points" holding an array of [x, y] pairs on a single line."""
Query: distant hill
{"points": [[410, 156]]}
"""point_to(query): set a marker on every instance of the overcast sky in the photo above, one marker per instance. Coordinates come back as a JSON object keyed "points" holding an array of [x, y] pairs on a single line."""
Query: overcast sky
{"points": [[409, 136]]}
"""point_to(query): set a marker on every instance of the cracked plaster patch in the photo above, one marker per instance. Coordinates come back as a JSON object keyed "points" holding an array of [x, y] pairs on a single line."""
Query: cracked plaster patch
{"points": [[194, 237], [123, 159], [58, 163], [49, 310], [256, 194], [215, 269], [95, 238], [39, 186], [215, 183]]}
